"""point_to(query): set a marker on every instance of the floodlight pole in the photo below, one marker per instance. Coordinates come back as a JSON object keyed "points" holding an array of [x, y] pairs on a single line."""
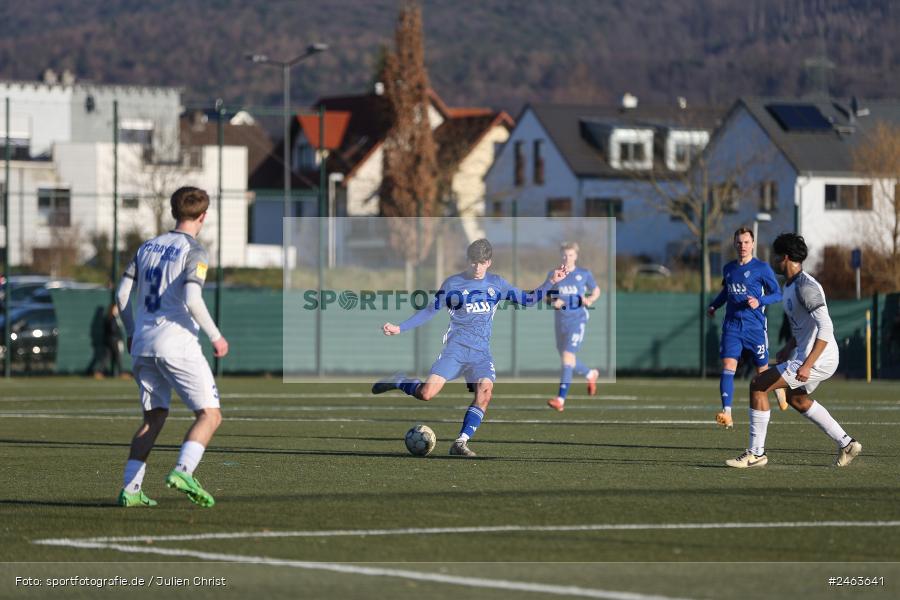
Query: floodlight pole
{"points": [[286, 66], [703, 261], [113, 277], [220, 138], [7, 356]]}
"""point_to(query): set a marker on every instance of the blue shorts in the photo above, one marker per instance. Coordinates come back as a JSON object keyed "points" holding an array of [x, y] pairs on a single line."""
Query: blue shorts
{"points": [[472, 364], [754, 341], [569, 335]]}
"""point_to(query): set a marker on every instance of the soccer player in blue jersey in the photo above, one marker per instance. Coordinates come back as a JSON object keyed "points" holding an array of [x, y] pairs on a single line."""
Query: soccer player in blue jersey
{"points": [[573, 295], [471, 298], [748, 286]]}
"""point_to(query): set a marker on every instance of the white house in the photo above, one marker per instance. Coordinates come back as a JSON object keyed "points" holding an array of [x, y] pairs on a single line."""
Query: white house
{"points": [[596, 161], [803, 166], [61, 176]]}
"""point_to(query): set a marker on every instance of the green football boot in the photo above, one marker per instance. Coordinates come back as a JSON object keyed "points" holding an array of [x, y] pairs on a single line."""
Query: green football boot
{"points": [[183, 482], [139, 498]]}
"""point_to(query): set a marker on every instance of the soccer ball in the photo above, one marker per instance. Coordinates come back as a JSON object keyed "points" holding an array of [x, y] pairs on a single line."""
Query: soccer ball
{"points": [[420, 440]]}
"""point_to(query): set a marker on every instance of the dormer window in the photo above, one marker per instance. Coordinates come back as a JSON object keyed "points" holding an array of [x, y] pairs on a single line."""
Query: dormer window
{"points": [[683, 146], [631, 149]]}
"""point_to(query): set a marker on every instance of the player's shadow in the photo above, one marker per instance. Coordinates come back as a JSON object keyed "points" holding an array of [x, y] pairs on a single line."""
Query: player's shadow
{"points": [[60, 504]]}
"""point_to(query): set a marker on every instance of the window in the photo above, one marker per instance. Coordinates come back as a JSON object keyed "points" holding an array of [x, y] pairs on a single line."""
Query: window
{"points": [[727, 196], [497, 208], [768, 197], [54, 207], [603, 207], [519, 173], [685, 153], [848, 197], [130, 202], [559, 207], [631, 152], [538, 163], [681, 209], [136, 131]]}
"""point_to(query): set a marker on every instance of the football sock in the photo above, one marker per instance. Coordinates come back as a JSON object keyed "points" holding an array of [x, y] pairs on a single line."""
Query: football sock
{"points": [[134, 476], [472, 420], [191, 453], [581, 368], [759, 423], [821, 417], [409, 385], [564, 380], [726, 387]]}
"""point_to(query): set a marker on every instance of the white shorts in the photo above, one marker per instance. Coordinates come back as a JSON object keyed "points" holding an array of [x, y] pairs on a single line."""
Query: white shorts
{"points": [[190, 376], [820, 371]]}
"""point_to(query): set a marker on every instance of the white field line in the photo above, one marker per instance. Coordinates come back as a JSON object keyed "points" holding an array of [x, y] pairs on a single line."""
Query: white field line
{"points": [[467, 530], [472, 582], [312, 395], [431, 420]]}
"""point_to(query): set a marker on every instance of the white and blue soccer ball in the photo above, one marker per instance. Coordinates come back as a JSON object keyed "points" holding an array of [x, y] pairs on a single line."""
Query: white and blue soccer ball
{"points": [[420, 440]]}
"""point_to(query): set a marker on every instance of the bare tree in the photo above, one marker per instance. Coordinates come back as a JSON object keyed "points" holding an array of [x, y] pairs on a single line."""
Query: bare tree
{"points": [[721, 186], [156, 171], [409, 186], [878, 158]]}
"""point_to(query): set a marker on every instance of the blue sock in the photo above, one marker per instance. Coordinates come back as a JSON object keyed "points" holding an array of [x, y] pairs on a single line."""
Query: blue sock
{"points": [[408, 385], [580, 368], [564, 380], [472, 420], [726, 387]]}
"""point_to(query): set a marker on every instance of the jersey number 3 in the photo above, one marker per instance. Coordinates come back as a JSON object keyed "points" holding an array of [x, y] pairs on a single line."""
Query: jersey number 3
{"points": [[152, 300]]}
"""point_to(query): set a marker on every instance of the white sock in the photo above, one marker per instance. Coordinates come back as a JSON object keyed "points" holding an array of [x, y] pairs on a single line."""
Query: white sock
{"points": [[727, 410], [759, 423], [463, 437], [134, 476], [191, 453], [821, 417]]}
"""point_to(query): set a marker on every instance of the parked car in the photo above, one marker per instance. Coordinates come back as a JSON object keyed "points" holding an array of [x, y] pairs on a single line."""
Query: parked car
{"points": [[654, 270], [34, 332], [36, 288]]}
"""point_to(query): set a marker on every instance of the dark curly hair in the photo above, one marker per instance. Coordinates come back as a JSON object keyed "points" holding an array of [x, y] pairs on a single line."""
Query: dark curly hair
{"points": [[791, 245]]}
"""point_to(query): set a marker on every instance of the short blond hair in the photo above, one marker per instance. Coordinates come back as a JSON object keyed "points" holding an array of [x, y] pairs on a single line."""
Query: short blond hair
{"points": [[568, 246]]}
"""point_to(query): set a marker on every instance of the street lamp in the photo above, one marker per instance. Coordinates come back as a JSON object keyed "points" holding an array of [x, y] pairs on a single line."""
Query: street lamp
{"points": [[759, 218], [286, 66], [333, 180]]}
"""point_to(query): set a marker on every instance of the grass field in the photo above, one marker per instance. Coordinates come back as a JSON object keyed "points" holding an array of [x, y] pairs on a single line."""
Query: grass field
{"points": [[623, 495]]}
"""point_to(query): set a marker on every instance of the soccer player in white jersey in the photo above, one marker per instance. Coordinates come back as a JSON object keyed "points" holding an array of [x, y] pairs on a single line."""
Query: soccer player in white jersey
{"points": [[808, 359], [167, 275]]}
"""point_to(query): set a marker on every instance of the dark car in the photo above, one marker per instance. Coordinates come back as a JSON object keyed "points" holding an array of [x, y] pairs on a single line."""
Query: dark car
{"points": [[34, 332]]}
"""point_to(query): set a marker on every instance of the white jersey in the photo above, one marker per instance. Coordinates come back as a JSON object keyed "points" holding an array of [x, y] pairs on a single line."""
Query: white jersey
{"points": [[162, 266], [804, 304]]}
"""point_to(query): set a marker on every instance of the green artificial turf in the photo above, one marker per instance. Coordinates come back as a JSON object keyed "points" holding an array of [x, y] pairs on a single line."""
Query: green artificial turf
{"points": [[312, 458]]}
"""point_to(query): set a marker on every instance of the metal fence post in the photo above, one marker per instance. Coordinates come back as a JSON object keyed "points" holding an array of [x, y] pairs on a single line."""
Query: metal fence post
{"points": [[323, 154], [514, 355], [7, 356], [220, 126], [703, 262], [114, 274]]}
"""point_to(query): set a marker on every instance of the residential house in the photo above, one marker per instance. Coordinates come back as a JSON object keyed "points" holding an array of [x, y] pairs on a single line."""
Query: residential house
{"points": [[62, 174], [567, 160], [355, 131], [804, 174]]}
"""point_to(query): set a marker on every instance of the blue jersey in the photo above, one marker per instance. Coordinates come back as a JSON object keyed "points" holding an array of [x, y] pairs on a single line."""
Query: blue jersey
{"points": [[471, 304], [740, 282], [572, 290]]}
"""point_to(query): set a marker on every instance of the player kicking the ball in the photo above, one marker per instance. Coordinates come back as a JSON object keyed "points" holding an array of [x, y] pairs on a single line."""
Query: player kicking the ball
{"points": [[169, 271], [748, 286], [574, 295], [471, 298], [808, 359]]}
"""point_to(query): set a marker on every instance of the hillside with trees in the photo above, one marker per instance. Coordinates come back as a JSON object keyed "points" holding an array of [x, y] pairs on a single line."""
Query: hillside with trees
{"points": [[502, 53]]}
